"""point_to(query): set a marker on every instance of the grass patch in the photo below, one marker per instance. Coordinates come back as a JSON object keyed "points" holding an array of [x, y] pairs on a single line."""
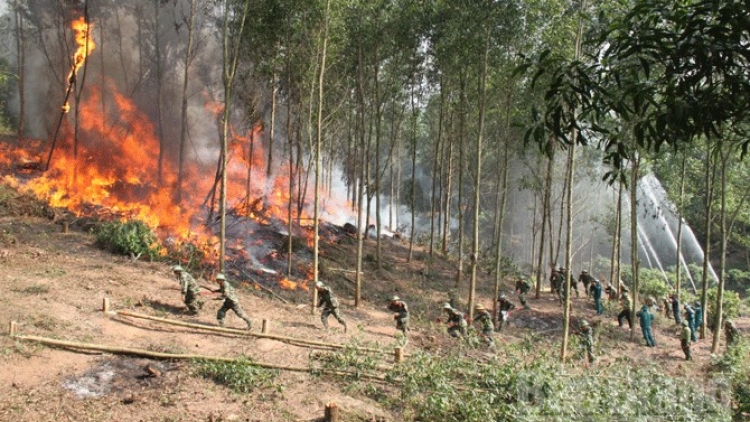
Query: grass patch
{"points": [[35, 289], [240, 376]]}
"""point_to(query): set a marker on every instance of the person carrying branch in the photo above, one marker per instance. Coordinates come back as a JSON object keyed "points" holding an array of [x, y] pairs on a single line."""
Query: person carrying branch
{"points": [[329, 303], [189, 288], [504, 306], [625, 312], [522, 287], [731, 333], [230, 302], [586, 279], [401, 315]]}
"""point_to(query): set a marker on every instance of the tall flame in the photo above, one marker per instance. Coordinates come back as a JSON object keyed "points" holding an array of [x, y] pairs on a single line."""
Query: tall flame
{"points": [[85, 45]]}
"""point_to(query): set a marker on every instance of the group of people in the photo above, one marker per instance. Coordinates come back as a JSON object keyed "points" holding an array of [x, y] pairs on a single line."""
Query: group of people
{"points": [[457, 323]]}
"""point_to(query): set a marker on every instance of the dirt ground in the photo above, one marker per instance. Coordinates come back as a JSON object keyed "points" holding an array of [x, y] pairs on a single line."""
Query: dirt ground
{"points": [[54, 284]]}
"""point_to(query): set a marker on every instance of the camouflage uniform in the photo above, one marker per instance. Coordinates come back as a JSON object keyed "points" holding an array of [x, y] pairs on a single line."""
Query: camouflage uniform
{"points": [[503, 307], [625, 312], [456, 321], [731, 333], [330, 305], [685, 335], [667, 311], [230, 302], [485, 318], [555, 280], [587, 341], [676, 308], [402, 313], [523, 287], [189, 288], [586, 279], [645, 317]]}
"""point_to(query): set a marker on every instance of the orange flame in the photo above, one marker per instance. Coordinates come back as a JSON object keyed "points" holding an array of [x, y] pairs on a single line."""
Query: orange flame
{"points": [[85, 46]]}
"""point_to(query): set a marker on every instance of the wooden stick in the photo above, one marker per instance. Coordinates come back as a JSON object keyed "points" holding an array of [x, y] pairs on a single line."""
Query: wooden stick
{"points": [[398, 354], [174, 356], [332, 412], [105, 304], [344, 271], [266, 289], [285, 339], [12, 328], [264, 326]]}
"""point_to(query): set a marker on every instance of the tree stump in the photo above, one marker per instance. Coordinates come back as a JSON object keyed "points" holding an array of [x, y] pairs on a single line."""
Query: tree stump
{"points": [[332, 412]]}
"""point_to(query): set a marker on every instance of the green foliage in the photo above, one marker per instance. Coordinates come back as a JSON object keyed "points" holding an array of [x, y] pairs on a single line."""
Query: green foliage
{"points": [[133, 238], [653, 283], [456, 389], [730, 306], [240, 376], [733, 365]]}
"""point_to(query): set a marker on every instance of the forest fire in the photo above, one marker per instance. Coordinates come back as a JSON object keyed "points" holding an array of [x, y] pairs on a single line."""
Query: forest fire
{"points": [[111, 161]]}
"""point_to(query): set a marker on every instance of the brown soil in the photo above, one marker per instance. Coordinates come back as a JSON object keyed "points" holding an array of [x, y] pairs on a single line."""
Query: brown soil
{"points": [[54, 284]]}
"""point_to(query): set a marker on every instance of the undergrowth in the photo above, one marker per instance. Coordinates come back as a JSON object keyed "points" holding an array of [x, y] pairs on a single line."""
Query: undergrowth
{"points": [[240, 376], [132, 238]]}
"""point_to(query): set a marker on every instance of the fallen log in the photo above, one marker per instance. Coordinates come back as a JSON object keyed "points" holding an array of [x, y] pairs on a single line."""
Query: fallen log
{"points": [[285, 339], [174, 356]]}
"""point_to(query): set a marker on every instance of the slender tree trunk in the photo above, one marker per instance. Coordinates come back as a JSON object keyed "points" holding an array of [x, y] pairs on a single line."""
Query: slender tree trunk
{"points": [[318, 144], [435, 170], [709, 175], [634, 262], [678, 263], [719, 306], [20, 69], [272, 129], [614, 273], [447, 196], [184, 103], [414, 116], [545, 218], [159, 88], [461, 142]]}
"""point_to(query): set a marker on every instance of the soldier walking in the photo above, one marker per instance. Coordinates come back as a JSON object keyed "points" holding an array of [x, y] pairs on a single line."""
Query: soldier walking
{"points": [[401, 315], [731, 333], [625, 312], [503, 307], [556, 281], [586, 279], [645, 318], [596, 292], [587, 340], [329, 303], [690, 317], [676, 308], [189, 288], [697, 318], [456, 321], [522, 287], [230, 302], [484, 317], [685, 335]]}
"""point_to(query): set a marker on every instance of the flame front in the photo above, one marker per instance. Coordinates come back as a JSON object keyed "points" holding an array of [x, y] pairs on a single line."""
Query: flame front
{"points": [[85, 46]]}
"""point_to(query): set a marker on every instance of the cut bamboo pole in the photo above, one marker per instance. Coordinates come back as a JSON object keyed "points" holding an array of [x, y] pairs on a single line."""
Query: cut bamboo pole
{"points": [[174, 356], [332, 412], [105, 304], [285, 339], [398, 354], [12, 328], [264, 326]]}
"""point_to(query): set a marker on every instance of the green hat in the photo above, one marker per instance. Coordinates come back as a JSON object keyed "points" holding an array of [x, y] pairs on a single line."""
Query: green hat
{"points": [[685, 322], [584, 272], [320, 285], [729, 322], [584, 323], [502, 296], [480, 307], [220, 276], [447, 305], [697, 303], [177, 269], [395, 298]]}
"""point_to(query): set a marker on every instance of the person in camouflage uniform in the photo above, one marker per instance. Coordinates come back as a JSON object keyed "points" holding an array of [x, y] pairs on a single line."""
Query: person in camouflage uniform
{"points": [[456, 321], [189, 288], [596, 292], [503, 307], [573, 282], [401, 314], [625, 312], [731, 333], [330, 305], [685, 335], [587, 340], [697, 318], [666, 302], [556, 279], [645, 318], [522, 287], [484, 317], [230, 302], [586, 279]]}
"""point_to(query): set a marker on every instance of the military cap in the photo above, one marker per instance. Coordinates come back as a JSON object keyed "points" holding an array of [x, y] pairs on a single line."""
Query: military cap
{"points": [[220, 276], [177, 269], [447, 305], [395, 298]]}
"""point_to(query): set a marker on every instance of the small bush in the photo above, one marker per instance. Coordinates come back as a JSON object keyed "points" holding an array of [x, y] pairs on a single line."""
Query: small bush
{"points": [[239, 376], [132, 238], [730, 306]]}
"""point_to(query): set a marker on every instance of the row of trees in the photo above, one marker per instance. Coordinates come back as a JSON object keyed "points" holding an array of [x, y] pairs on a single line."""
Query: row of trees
{"points": [[426, 103]]}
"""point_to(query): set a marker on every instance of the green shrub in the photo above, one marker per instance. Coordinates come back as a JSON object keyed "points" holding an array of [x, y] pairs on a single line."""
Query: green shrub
{"points": [[730, 306], [239, 376], [133, 238]]}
